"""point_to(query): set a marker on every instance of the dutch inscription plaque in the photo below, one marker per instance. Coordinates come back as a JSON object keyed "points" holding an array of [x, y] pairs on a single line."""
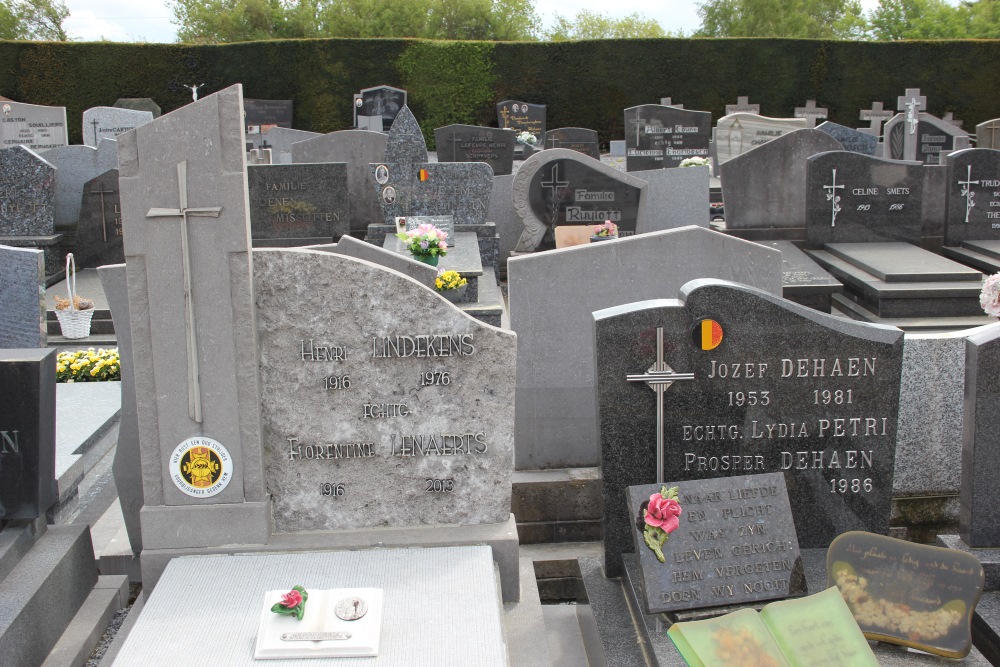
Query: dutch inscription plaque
{"points": [[299, 201], [659, 137], [973, 196], [522, 117], [471, 143]]}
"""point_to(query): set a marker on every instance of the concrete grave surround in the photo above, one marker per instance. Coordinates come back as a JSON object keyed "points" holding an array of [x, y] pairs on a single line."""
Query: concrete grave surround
{"points": [[552, 296], [472, 143], [75, 165], [415, 186], [36, 127], [99, 232], [108, 122], [358, 148], [139, 104], [27, 203], [674, 198], [168, 349], [979, 523], [537, 230], [737, 133], [478, 399], [279, 140], [298, 201], [852, 140], [768, 419], [22, 298], [766, 186]]}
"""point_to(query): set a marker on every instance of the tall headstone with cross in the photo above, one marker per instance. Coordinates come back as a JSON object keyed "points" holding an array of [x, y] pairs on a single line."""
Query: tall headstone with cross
{"points": [[928, 138], [973, 203], [99, 234], [184, 206], [769, 386], [876, 116], [811, 113], [988, 134]]}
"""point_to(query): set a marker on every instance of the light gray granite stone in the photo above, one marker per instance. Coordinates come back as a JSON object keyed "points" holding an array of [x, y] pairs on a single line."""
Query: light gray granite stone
{"points": [[22, 297], [75, 165], [501, 212], [108, 122], [195, 368], [27, 199], [279, 140], [127, 466], [455, 584], [396, 447], [34, 126], [424, 274], [139, 104], [740, 132], [552, 298], [675, 198]]}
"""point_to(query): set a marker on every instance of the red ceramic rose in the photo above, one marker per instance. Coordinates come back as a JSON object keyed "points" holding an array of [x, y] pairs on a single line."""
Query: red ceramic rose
{"points": [[291, 598], [293, 603], [662, 513]]}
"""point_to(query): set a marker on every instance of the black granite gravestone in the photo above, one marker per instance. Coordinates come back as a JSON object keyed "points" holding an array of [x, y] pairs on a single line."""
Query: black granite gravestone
{"points": [[261, 115], [99, 234], [27, 433], [734, 381], [298, 204], [973, 211], [734, 543], [854, 198], [979, 519], [522, 117], [471, 143], [373, 103], [657, 136], [577, 139]]}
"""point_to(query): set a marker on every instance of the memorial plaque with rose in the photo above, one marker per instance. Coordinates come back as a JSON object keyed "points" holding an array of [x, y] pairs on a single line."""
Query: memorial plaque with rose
{"points": [[910, 594], [715, 542]]}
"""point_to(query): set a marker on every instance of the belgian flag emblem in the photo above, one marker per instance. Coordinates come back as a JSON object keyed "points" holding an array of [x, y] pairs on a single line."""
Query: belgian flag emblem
{"points": [[707, 334], [423, 175]]}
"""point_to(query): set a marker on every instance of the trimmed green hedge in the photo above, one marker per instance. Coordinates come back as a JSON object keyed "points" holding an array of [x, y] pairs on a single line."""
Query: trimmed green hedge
{"points": [[584, 84]]}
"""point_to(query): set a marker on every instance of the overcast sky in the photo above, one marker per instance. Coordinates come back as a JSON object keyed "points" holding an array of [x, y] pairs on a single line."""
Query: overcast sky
{"points": [[149, 20]]}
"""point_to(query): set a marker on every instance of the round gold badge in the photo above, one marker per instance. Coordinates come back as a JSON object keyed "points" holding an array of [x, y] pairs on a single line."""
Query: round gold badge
{"points": [[201, 467]]}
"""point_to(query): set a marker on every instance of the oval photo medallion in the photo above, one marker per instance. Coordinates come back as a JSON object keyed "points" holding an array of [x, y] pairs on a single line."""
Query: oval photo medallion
{"points": [[201, 467]]}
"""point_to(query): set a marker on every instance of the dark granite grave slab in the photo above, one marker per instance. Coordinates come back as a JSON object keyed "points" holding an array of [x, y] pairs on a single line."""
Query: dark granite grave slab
{"points": [[851, 139], [299, 201], [854, 198], [577, 139], [522, 117], [471, 143], [986, 627], [973, 196], [901, 262], [262, 114], [99, 233], [981, 255], [384, 101], [734, 543], [27, 200], [979, 519], [803, 280], [758, 403], [27, 433], [849, 306], [659, 136]]}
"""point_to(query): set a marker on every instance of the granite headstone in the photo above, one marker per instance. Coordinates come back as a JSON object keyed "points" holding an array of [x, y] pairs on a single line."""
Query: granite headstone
{"points": [[743, 106], [661, 137], [855, 141], [27, 193], [730, 380], [979, 519], [563, 187], [298, 204], [375, 108], [139, 104], [99, 234], [27, 433], [22, 298], [811, 113], [75, 165], [261, 115], [929, 138], [973, 196], [738, 133], [988, 134], [471, 143], [578, 139], [875, 116], [108, 122], [279, 141], [522, 117], [36, 127]]}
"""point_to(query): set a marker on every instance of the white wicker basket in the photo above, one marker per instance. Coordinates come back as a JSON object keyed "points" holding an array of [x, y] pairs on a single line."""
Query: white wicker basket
{"points": [[74, 323]]}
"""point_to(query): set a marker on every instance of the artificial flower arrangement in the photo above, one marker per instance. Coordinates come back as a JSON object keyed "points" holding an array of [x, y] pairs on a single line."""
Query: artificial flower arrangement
{"points": [[88, 366], [660, 517], [425, 240], [79, 303], [608, 229], [989, 298], [528, 138], [695, 162], [449, 280], [293, 603]]}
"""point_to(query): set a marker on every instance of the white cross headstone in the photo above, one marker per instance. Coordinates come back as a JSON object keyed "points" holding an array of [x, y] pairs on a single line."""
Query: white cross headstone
{"points": [[876, 116], [667, 102], [742, 105], [811, 112]]}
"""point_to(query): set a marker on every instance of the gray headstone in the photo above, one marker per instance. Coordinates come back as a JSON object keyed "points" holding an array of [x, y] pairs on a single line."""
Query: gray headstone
{"points": [[988, 134], [852, 140], [424, 274], [279, 141], [27, 433], [261, 115], [197, 391], [674, 198], [139, 104], [738, 133], [669, 102], [358, 148], [501, 212], [75, 165], [979, 523], [973, 196], [99, 234], [127, 466], [743, 106], [563, 187], [577, 139], [37, 127], [660, 136], [930, 137], [854, 198], [734, 544], [766, 187], [376, 108], [418, 398], [298, 201], [407, 184], [811, 113], [108, 122], [876, 116], [765, 386], [552, 296], [22, 298], [522, 117], [471, 143], [27, 193]]}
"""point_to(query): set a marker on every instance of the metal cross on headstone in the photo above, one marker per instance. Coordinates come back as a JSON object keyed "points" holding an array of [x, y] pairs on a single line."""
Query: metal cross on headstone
{"points": [[909, 103], [967, 192], [811, 112], [554, 183], [104, 220], [659, 378], [834, 198], [95, 123], [876, 116], [182, 212]]}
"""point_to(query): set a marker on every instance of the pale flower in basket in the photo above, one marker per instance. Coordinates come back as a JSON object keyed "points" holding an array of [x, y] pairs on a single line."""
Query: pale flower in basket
{"points": [[74, 313]]}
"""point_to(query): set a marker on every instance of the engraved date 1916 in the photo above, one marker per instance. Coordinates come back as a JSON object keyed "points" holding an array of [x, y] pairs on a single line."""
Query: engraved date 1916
{"points": [[332, 490]]}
